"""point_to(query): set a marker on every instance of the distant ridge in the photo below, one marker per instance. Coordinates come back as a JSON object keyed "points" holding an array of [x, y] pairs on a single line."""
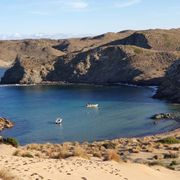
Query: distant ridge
{"points": [[18, 36]]}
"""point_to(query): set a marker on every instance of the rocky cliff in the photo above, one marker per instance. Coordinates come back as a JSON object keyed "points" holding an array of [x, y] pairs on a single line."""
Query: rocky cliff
{"points": [[170, 87], [139, 57]]}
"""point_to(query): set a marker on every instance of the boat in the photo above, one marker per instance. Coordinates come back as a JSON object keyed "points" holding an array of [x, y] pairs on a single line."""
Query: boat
{"points": [[92, 105], [59, 120]]}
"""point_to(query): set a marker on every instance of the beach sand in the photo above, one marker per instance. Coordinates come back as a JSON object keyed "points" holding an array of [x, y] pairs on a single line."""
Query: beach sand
{"points": [[79, 169]]}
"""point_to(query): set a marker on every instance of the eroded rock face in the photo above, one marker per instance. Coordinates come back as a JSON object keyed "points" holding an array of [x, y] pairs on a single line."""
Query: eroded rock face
{"points": [[113, 64], [5, 123], [170, 87], [17, 75]]}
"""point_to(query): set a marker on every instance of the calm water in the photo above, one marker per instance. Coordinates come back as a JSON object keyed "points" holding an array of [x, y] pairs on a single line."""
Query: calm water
{"points": [[124, 111]]}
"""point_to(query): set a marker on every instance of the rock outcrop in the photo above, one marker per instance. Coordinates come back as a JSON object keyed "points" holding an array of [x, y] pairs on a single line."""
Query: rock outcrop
{"points": [[140, 57], [113, 64], [5, 123], [163, 116], [170, 87]]}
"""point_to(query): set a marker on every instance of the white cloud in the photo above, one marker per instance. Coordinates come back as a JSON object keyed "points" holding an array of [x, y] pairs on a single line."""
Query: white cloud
{"points": [[56, 5], [127, 3], [77, 4], [71, 4]]}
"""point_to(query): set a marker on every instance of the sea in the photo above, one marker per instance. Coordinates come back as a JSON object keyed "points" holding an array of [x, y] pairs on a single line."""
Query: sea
{"points": [[124, 111]]}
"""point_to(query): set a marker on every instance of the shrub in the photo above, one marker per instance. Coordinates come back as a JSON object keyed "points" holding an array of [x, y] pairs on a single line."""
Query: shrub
{"points": [[27, 154], [80, 152], [112, 155], [171, 155], [155, 163], [169, 140], [12, 141], [16, 153], [109, 145], [5, 175], [173, 163], [170, 167], [63, 154], [138, 51], [97, 154]]}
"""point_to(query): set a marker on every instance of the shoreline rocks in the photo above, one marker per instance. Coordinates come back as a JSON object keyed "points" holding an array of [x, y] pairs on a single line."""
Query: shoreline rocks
{"points": [[168, 116], [5, 123]]}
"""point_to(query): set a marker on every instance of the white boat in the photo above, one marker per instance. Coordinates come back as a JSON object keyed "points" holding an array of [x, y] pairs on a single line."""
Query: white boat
{"points": [[92, 105], [59, 121]]}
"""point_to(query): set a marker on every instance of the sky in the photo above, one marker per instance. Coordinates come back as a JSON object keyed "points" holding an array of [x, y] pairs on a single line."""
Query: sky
{"points": [[86, 16]]}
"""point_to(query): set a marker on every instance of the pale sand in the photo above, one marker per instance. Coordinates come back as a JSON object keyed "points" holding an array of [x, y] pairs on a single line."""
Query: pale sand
{"points": [[79, 169]]}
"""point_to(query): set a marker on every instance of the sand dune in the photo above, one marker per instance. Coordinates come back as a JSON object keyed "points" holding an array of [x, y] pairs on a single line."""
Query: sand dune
{"points": [[79, 169]]}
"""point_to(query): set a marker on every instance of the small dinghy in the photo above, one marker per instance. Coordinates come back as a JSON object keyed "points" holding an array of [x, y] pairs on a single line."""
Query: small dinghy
{"points": [[58, 121], [92, 105]]}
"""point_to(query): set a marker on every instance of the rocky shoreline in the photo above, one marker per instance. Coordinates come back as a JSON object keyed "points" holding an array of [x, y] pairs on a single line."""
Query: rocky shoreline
{"points": [[5, 124]]}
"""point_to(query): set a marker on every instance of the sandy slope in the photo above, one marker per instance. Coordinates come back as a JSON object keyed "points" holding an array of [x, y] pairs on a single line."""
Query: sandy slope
{"points": [[77, 169]]}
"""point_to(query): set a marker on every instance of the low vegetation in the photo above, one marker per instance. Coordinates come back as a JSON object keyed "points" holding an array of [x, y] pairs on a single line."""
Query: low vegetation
{"points": [[171, 155], [6, 175], [112, 155], [159, 150], [155, 163], [138, 51], [12, 141], [169, 140]]}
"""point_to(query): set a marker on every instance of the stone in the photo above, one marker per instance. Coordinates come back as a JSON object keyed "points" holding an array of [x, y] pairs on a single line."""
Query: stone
{"points": [[5, 123]]}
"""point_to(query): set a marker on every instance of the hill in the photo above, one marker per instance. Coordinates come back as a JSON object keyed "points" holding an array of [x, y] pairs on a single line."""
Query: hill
{"points": [[138, 57]]}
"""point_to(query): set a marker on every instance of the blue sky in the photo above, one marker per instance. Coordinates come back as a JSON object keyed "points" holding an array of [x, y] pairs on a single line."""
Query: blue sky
{"points": [[86, 16]]}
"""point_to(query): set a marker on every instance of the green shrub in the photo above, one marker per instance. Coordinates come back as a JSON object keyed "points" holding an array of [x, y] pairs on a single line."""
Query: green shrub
{"points": [[109, 145], [27, 154], [155, 163], [171, 156], [14, 142], [170, 167], [138, 51], [173, 163], [169, 140]]}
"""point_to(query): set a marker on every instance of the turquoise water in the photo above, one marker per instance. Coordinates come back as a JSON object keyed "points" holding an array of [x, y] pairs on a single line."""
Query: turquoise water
{"points": [[123, 112]]}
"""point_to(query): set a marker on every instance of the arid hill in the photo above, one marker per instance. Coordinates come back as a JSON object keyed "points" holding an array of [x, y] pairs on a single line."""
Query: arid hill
{"points": [[10, 49], [158, 39], [139, 57]]}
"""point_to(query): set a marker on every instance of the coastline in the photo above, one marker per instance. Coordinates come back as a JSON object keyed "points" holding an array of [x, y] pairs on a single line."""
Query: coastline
{"points": [[80, 84]]}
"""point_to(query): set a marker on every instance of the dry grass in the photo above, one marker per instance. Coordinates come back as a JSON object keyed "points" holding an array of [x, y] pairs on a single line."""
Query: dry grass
{"points": [[80, 152], [6, 175], [110, 150], [23, 153], [111, 155]]}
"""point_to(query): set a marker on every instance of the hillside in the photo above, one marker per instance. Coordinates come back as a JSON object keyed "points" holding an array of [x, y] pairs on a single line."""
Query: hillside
{"points": [[139, 57], [29, 47]]}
